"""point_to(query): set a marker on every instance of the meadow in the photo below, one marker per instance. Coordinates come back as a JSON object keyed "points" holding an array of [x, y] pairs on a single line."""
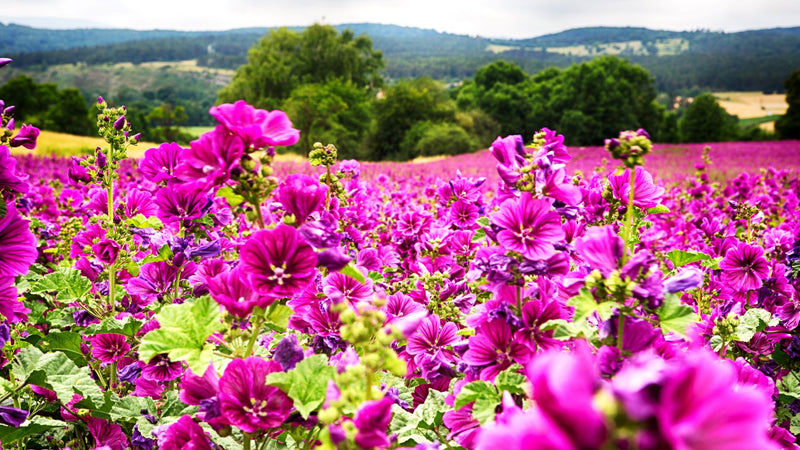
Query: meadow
{"points": [[525, 296]]}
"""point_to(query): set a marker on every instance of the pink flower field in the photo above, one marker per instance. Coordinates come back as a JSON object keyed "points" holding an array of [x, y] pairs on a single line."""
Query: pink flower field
{"points": [[521, 297]]}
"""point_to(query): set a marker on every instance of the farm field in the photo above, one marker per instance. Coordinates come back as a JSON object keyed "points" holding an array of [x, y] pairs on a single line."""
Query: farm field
{"points": [[601, 297]]}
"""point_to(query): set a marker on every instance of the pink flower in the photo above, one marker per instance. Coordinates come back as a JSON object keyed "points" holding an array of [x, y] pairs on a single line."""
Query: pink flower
{"points": [[109, 348], [247, 401], [744, 267], [256, 127], [528, 226], [371, 420], [278, 262], [645, 193], [301, 195]]}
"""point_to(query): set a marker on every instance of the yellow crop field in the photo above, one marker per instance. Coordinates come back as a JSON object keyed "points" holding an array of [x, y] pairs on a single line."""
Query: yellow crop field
{"points": [[752, 104]]}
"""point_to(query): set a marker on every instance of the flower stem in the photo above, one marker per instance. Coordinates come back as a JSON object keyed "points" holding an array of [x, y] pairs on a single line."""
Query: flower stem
{"points": [[259, 215], [620, 330], [112, 270], [246, 441], [629, 216], [369, 384], [254, 334]]}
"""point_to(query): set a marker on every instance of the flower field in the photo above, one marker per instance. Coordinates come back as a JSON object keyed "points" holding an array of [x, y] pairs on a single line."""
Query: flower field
{"points": [[524, 297]]}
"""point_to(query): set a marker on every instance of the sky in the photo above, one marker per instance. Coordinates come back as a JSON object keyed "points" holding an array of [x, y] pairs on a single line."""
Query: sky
{"points": [[495, 18]]}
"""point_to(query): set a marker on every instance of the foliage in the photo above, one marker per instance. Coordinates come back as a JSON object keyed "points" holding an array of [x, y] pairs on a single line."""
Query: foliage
{"points": [[705, 121], [788, 126]]}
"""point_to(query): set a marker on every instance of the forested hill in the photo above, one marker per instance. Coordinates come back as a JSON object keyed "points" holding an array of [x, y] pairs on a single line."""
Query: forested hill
{"points": [[750, 60]]}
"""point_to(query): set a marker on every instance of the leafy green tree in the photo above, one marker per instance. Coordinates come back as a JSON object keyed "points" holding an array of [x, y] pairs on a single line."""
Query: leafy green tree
{"points": [[334, 112], [285, 59], [402, 106], [668, 131], [442, 139], [499, 72], [706, 121], [69, 114], [166, 120], [609, 93], [31, 98], [788, 126]]}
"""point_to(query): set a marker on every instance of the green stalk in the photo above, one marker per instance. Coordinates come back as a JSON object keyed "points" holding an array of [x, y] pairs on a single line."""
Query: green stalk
{"points": [[620, 330], [254, 334], [246, 441], [259, 215], [629, 216], [112, 270]]}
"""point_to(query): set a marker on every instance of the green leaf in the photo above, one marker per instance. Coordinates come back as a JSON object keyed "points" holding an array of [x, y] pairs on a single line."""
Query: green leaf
{"points": [[128, 326], [307, 383], [404, 424], [681, 258], [584, 305], [140, 221], [66, 342], [278, 318], [35, 425], [674, 316], [351, 271], [480, 234], [658, 209], [471, 392], [376, 277], [183, 333], [511, 380], [794, 425], [233, 198], [753, 321], [129, 409], [716, 343], [68, 283], [433, 407], [3, 207], [483, 221], [58, 373], [485, 396], [712, 263]]}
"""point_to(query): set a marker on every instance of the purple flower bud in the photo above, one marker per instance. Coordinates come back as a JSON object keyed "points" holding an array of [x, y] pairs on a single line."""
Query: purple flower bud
{"points": [[135, 138], [10, 112], [10, 124], [4, 61], [119, 124], [100, 100], [643, 132], [102, 161], [288, 352], [332, 259]]}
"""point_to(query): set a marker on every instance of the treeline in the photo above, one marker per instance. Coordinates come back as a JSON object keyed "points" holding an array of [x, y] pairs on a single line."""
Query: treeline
{"points": [[753, 60]]}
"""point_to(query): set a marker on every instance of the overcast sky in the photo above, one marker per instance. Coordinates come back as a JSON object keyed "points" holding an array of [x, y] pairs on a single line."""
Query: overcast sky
{"points": [[489, 18]]}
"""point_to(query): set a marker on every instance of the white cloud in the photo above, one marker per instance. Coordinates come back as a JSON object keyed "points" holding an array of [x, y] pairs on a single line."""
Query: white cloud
{"points": [[498, 18]]}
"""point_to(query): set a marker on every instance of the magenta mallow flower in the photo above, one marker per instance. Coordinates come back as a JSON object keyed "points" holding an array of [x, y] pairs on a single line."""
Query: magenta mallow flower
{"points": [[26, 137], [372, 420], [153, 281], [109, 347], [185, 434], [211, 159], [10, 179], [159, 163], [301, 195], [601, 249], [177, 202], [231, 290], [246, 401], [342, 288], [106, 251], [494, 348], [528, 226], [702, 406], [107, 434], [645, 193], [278, 262], [256, 127], [564, 386], [744, 267], [160, 368], [433, 341], [18, 245], [10, 307]]}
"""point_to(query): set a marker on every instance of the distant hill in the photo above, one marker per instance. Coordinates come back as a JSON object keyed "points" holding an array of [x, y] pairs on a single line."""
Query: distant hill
{"points": [[749, 60]]}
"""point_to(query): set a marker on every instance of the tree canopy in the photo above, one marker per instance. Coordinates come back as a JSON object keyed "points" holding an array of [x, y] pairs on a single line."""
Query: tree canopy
{"points": [[788, 126]]}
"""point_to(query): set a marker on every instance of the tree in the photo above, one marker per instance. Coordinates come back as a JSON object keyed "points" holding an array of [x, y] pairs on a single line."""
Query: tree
{"points": [[334, 112], [69, 114], [705, 121], [166, 120], [610, 94], [403, 105], [284, 59], [788, 126]]}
